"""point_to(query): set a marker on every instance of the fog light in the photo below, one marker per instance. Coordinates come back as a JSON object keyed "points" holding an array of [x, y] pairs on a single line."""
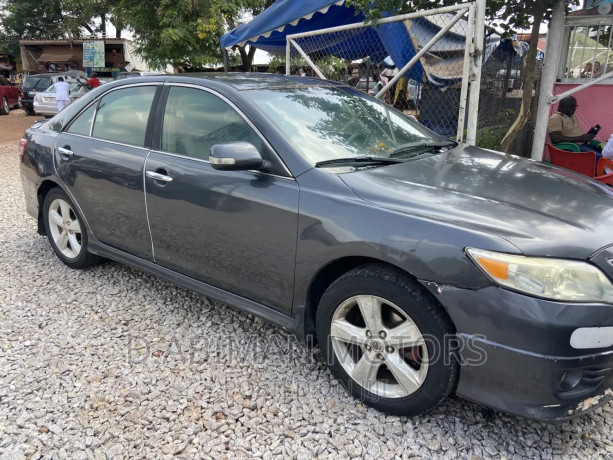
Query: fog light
{"points": [[574, 384], [568, 380]]}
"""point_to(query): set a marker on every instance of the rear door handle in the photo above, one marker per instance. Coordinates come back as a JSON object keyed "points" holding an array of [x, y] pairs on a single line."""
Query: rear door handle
{"points": [[158, 176], [65, 152]]}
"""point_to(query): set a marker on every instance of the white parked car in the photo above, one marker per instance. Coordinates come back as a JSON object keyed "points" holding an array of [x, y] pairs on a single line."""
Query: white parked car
{"points": [[45, 103]]}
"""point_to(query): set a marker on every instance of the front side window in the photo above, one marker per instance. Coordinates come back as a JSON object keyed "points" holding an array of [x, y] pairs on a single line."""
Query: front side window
{"points": [[123, 115], [327, 123], [195, 120]]}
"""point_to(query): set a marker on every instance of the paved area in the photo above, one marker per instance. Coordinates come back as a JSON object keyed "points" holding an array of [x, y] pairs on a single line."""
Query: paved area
{"points": [[13, 125], [112, 363]]}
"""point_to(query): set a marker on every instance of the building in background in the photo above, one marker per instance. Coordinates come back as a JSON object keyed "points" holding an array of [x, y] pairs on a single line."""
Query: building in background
{"points": [[106, 57]]}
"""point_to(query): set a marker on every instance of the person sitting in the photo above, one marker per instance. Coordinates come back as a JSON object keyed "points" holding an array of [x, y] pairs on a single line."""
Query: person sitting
{"points": [[597, 69], [587, 71], [563, 126], [378, 85]]}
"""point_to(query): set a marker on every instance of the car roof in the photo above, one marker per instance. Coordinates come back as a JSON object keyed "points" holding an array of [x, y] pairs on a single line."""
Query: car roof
{"points": [[243, 81], [49, 74]]}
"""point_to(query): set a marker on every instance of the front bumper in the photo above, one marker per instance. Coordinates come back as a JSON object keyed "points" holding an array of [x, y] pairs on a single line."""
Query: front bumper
{"points": [[540, 387], [516, 354]]}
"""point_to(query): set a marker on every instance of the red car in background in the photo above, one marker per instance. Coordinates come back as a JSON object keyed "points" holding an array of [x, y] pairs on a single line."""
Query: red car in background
{"points": [[10, 96]]}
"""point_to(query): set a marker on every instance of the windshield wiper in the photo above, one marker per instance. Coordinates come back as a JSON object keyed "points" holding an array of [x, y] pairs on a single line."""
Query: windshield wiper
{"points": [[420, 147], [366, 159]]}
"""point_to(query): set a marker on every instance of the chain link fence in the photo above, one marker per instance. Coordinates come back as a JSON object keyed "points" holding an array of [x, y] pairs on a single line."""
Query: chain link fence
{"points": [[432, 89], [500, 103]]}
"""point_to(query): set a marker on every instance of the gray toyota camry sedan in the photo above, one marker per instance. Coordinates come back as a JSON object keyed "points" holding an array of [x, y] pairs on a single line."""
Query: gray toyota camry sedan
{"points": [[423, 267]]}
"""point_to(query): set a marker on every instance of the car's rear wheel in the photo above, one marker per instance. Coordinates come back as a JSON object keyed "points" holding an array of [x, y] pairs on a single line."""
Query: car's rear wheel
{"points": [[30, 111], [4, 107], [19, 104], [387, 341], [66, 231]]}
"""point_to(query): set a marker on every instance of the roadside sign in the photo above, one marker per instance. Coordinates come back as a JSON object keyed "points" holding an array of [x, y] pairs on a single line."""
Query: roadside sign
{"points": [[93, 53]]}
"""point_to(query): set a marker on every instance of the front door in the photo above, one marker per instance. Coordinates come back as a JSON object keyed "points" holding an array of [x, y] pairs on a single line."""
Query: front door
{"points": [[101, 157], [235, 230]]}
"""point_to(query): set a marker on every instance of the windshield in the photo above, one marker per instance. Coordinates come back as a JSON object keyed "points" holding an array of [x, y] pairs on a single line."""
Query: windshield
{"points": [[37, 83], [327, 123]]}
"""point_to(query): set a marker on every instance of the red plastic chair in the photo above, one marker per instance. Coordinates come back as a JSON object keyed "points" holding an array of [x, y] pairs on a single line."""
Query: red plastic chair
{"points": [[583, 163]]}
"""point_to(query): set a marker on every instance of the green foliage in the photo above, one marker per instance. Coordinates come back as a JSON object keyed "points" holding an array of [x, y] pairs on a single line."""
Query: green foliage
{"points": [[490, 137], [331, 66], [277, 61], [187, 32]]}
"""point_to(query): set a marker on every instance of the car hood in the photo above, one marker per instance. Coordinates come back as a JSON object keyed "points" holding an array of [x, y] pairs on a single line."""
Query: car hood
{"points": [[540, 209]]}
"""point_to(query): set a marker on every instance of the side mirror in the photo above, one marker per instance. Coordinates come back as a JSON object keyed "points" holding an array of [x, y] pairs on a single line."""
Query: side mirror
{"points": [[235, 156]]}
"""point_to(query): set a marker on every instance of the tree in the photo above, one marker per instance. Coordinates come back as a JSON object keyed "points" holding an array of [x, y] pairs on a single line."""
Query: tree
{"points": [[187, 32], [227, 15], [505, 15], [165, 31]]}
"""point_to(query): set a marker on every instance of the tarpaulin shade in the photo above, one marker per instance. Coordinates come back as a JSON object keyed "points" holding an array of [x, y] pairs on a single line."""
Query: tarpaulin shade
{"points": [[268, 31], [59, 56], [293, 16]]}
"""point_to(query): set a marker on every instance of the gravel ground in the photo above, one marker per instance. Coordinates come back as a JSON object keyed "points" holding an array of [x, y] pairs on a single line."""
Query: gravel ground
{"points": [[113, 363]]}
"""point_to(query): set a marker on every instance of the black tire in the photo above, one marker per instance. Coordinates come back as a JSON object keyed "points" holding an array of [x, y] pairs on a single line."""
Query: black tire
{"points": [[71, 256], [30, 112], [394, 293], [19, 104], [4, 106]]}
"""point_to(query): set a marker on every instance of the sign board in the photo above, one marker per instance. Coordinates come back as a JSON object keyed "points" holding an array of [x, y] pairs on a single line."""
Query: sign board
{"points": [[93, 53]]}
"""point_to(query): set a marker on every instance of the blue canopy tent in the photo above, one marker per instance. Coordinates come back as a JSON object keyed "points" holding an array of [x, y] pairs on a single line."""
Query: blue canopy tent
{"points": [[442, 65], [268, 31]]}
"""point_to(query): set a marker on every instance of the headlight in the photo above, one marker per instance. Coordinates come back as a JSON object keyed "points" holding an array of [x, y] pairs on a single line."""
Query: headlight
{"points": [[556, 279]]}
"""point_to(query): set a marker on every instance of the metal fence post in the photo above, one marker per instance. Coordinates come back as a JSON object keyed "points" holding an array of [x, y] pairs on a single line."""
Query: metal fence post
{"points": [[550, 69], [466, 73], [288, 56], [475, 77]]}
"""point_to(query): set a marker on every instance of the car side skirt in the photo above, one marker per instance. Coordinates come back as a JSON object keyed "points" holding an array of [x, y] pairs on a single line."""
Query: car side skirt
{"points": [[238, 302]]}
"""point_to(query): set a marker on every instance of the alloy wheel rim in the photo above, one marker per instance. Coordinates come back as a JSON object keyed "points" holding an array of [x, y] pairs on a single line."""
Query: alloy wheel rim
{"points": [[5, 105], [379, 346], [65, 228]]}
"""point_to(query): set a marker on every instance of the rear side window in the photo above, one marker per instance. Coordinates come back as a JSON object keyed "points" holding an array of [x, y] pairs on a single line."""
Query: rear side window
{"points": [[195, 120], [83, 123], [123, 114]]}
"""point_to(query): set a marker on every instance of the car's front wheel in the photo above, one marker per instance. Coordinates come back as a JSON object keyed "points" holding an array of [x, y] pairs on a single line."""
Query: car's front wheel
{"points": [[387, 341], [66, 231]]}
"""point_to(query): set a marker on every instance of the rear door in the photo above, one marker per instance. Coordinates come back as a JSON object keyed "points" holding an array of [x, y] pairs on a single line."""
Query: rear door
{"points": [[101, 157], [235, 230]]}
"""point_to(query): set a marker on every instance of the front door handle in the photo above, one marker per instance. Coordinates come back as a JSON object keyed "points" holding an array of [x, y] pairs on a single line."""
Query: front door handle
{"points": [[158, 176], [65, 152]]}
